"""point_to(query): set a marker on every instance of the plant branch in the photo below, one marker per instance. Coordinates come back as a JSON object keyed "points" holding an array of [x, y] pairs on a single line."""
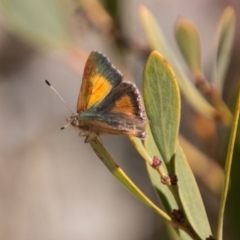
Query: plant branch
{"points": [[228, 168]]}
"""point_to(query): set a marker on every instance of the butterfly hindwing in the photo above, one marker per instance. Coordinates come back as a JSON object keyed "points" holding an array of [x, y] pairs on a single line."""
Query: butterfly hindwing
{"points": [[124, 99], [99, 78], [120, 110]]}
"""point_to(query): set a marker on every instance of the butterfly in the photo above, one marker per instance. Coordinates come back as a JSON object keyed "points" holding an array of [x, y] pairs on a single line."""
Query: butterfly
{"points": [[107, 104]]}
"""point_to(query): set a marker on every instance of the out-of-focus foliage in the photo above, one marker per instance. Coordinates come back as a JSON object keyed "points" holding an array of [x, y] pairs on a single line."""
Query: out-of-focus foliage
{"points": [[188, 39], [44, 23], [157, 41], [225, 37]]}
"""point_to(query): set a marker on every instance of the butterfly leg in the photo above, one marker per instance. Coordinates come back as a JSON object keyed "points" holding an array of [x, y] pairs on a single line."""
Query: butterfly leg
{"points": [[138, 134], [82, 133], [91, 136]]}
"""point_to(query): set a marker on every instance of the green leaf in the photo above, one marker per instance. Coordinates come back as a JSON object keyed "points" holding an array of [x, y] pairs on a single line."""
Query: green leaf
{"points": [[225, 38], [157, 41], [176, 235], [162, 103], [123, 178], [190, 196], [228, 165], [43, 23], [188, 40]]}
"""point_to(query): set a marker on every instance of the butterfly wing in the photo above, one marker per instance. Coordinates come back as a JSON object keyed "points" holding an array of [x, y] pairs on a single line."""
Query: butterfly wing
{"points": [[120, 112], [99, 78], [124, 99]]}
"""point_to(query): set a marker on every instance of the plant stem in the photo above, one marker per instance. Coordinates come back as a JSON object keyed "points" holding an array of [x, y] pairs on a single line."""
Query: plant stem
{"points": [[209, 91], [228, 168]]}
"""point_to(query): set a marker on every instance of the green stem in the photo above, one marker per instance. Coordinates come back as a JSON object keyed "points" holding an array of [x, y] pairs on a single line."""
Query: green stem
{"points": [[223, 114], [174, 189], [142, 151], [228, 169]]}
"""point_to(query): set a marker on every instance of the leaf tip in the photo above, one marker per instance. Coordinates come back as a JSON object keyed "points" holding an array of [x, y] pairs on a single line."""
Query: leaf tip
{"points": [[143, 10], [229, 15], [229, 11]]}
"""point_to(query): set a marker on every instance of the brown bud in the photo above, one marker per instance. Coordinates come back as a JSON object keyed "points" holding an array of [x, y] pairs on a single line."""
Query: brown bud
{"points": [[156, 162]]}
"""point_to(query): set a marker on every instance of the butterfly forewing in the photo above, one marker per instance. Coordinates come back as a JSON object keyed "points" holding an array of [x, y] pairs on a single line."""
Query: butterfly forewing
{"points": [[99, 78]]}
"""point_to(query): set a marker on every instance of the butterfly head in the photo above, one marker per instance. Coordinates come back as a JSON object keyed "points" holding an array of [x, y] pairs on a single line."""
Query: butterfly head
{"points": [[73, 120], [86, 128]]}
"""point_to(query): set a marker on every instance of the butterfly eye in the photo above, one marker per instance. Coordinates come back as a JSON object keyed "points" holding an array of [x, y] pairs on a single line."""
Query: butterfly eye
{"points": [[74, 121]]}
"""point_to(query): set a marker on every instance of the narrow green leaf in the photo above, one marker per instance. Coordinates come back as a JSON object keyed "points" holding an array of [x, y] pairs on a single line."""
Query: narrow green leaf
{"points": [[225, 38], [43, 23], [162, 103], [157, 41], [188, 40], [123, 178], [228, 165], [190, 196]]}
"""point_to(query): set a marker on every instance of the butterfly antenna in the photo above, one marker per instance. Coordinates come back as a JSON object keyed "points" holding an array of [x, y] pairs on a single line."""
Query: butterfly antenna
{"points": [[49, 84]]}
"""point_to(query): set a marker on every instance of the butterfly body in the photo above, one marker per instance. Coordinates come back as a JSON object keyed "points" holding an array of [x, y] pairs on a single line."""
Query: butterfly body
{"points": [[106, 104]]}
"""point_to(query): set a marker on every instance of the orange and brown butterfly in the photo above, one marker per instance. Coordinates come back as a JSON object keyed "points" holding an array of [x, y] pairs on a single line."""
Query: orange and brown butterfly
{"points": [[107, 104]]}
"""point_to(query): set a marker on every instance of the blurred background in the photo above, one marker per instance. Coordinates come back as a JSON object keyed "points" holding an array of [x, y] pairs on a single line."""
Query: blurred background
{"points": [[52, 185]]}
